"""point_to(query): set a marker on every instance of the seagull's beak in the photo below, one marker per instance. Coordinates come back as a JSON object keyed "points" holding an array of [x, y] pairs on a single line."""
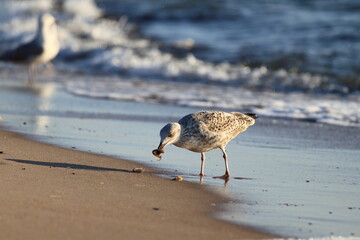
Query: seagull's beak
{"points": [[161, 147], [157, 152]]}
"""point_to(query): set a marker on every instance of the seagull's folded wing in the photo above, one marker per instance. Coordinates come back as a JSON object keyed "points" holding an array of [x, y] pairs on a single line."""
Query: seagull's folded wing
{"points": [[23, 53]]}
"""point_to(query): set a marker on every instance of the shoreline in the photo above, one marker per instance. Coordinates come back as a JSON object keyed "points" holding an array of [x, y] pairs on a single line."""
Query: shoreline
{"points": [[90, 196]]}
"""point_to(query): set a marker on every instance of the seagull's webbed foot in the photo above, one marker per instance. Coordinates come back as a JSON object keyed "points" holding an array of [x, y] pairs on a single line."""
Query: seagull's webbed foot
{"points": [[226, 176], [201, 179]]}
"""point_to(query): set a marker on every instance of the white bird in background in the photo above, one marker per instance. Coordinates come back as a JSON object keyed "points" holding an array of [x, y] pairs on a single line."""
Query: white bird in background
{"points": [[205, 131], [42, 49]]}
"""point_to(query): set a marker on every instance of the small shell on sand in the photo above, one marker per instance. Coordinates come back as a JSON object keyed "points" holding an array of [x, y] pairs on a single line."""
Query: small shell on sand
{"points": [[157, 153], [178, 178], [138, 170]]}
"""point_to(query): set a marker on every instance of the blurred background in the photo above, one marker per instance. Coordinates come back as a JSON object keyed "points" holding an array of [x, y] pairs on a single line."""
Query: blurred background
{"points": [[301, 47], [298, 35]]}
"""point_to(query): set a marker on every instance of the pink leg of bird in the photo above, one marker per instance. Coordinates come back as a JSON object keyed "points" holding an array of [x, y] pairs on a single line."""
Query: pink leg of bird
{"points": [[226, 176], [202, 164]]}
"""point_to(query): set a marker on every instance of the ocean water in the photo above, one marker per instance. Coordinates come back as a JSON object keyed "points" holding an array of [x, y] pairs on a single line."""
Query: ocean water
{"points": [[293, 59]]}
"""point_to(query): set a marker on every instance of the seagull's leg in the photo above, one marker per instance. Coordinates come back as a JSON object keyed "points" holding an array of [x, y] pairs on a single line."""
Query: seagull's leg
{"points": [[202, 164], [35, 74], [226, 176], [31, 75], [49, 66]]}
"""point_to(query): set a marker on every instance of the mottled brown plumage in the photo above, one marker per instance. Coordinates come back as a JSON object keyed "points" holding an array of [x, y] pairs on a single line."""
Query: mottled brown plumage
{"points": [[204, 131]]}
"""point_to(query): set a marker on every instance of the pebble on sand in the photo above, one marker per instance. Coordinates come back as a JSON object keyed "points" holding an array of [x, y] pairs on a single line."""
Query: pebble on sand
{"points": [[138, 170], [178, 178]]}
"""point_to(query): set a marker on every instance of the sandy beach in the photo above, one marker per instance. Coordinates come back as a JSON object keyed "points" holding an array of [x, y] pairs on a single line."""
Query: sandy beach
{"points": [[295, 178], [55, 193]]}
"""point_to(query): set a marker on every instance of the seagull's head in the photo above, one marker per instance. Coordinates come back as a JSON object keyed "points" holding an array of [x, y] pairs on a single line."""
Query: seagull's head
{"points": [[46, 20], [169, 134]]}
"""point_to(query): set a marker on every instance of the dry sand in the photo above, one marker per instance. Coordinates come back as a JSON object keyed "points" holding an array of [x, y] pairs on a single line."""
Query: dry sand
{"points": [[54, 193]]}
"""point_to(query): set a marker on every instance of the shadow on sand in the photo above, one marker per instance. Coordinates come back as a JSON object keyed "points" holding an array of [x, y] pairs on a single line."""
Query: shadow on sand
{"points": [[69, 165]]}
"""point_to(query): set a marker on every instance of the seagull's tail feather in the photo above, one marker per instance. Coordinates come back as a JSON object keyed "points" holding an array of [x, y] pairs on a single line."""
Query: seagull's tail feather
{"points": [[252, 115], [2, 56], [9, 56]]}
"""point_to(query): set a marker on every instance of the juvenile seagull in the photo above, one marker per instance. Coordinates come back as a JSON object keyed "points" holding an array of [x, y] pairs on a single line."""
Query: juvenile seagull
{"points": [[204, 131], [43, 48]]}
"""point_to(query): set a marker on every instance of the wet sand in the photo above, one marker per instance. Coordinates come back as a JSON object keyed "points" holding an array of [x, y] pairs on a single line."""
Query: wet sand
{"points": [[54, 193]]}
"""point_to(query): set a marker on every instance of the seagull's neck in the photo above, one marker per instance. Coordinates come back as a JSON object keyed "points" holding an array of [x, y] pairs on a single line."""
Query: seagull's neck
{"points": [[40, 34], [46, 35], [178, 137]]}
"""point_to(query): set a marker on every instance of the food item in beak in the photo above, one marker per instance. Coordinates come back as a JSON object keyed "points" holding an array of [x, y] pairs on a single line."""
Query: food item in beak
{"points": [[157, 152]]}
